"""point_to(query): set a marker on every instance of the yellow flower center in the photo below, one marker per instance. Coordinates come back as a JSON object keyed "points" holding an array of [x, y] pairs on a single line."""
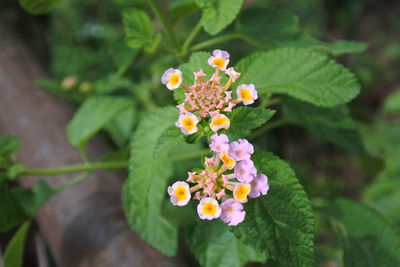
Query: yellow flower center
{"points": [[209, 208], [242, 192], [219, 121], [188, 123], [230, 163], [220, 62], [175, 79], [180, 193], [245, 95]]}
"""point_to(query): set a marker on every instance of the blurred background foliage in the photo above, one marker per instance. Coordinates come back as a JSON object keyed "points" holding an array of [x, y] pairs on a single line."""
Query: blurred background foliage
{"points": [[82, 44]]}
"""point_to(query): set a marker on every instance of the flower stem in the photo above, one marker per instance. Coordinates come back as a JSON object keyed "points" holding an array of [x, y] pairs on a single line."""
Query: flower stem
{"points": [[214, 41], [191, 37], [72, 182]]}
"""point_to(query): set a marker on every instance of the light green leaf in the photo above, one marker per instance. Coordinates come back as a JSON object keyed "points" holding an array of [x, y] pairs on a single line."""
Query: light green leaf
{"points": [[11, 214], [244, 119], [92, 116], [38, 7], [13, 255], [392, 102], [31, 199], [8, 144], [120, 127], [214, 245], [280, 223], [139, 30], [330, 124], [197, 61], [111, 83], [373, 241], [218, 14], [145, 188], [303, 74]]}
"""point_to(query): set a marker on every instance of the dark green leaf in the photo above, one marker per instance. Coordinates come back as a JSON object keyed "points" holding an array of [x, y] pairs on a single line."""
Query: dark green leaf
{"points": [[13, 255], [93, 115], [144, 190], [121, 126], [38, 7], [373, 241], [392, 102], [214, 245], [11, 214], [281, 223], [331, 124], [244, 119], [301, 73], [218, 14], [8, 144]]}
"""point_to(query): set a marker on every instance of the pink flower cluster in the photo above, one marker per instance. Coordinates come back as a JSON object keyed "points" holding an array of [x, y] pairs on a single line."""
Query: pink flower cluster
{"points": [[229, 177], [209, 98]]}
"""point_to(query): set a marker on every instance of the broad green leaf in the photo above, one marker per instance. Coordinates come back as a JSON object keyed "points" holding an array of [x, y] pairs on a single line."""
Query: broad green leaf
{"points": [[121, 126], [392, 102], [218, 14], [303, 74], [139, 30], [330, 124], [13, 255], [38, 7], [92, 116], [384, 194], [373, 241], [31, 199], [181, 8], [111, 83], [197, 61], [281, 223], [244, 119], [280, 28], [145, 188], [11, 214], [214, 245], [8, 144]]}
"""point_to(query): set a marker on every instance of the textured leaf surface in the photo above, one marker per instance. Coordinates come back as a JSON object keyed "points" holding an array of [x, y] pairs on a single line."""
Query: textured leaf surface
{"points": [[372, 239], [145, 188], [244, 119], [281, 223], [330, 124], [37, 7], [303, 74], [93, 115], [392, 102], [139, 30], [214, 245], [218, 14], [15, 249]]}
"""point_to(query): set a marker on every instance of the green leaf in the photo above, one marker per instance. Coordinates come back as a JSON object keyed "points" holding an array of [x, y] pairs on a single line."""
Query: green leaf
{"points": [[373, 241], [384, 194], [392, 102], [214, 245], [145, 188], [218, 14], [11, 214], [38, 7], [31, 199], [244, 119], [281, 223], [13, 255], [197, 61], [330, 124], [303, 74], [92, 116], [139, 30], [121, 126], [8, 144], [111, 83], [181, 8]]}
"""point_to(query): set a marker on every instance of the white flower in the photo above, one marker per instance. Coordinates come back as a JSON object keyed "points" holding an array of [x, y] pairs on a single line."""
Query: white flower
{"points": [[219, 121], [172, 78], [241, 191], [219, 59], [179, 193], [208, 209], [188, 123], [247, 93]]}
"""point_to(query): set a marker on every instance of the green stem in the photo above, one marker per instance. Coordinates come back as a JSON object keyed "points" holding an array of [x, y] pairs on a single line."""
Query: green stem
{"points": [[214, 41], [78, 168], [72, 182], [191, 37], [167, 27], [268, 127]]}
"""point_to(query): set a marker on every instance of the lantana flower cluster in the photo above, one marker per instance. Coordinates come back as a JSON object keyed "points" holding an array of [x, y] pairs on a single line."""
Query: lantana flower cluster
{"points": [[209, 98], [229, 177]]}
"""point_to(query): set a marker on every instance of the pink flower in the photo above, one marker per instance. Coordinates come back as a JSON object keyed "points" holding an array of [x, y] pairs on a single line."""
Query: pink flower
{"points": [[232, 74], [232, 212], [179, 193], [241, 191], [219, 143], [219, 59], [199, 74], [245, 171], [219, 122], [241, 149], [259, 186], [247, 93], [208, 209], [172, 78]]}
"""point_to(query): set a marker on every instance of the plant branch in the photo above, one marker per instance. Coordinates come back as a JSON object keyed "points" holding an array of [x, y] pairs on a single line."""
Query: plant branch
{"points": [[268, 127], [191, 37]]}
